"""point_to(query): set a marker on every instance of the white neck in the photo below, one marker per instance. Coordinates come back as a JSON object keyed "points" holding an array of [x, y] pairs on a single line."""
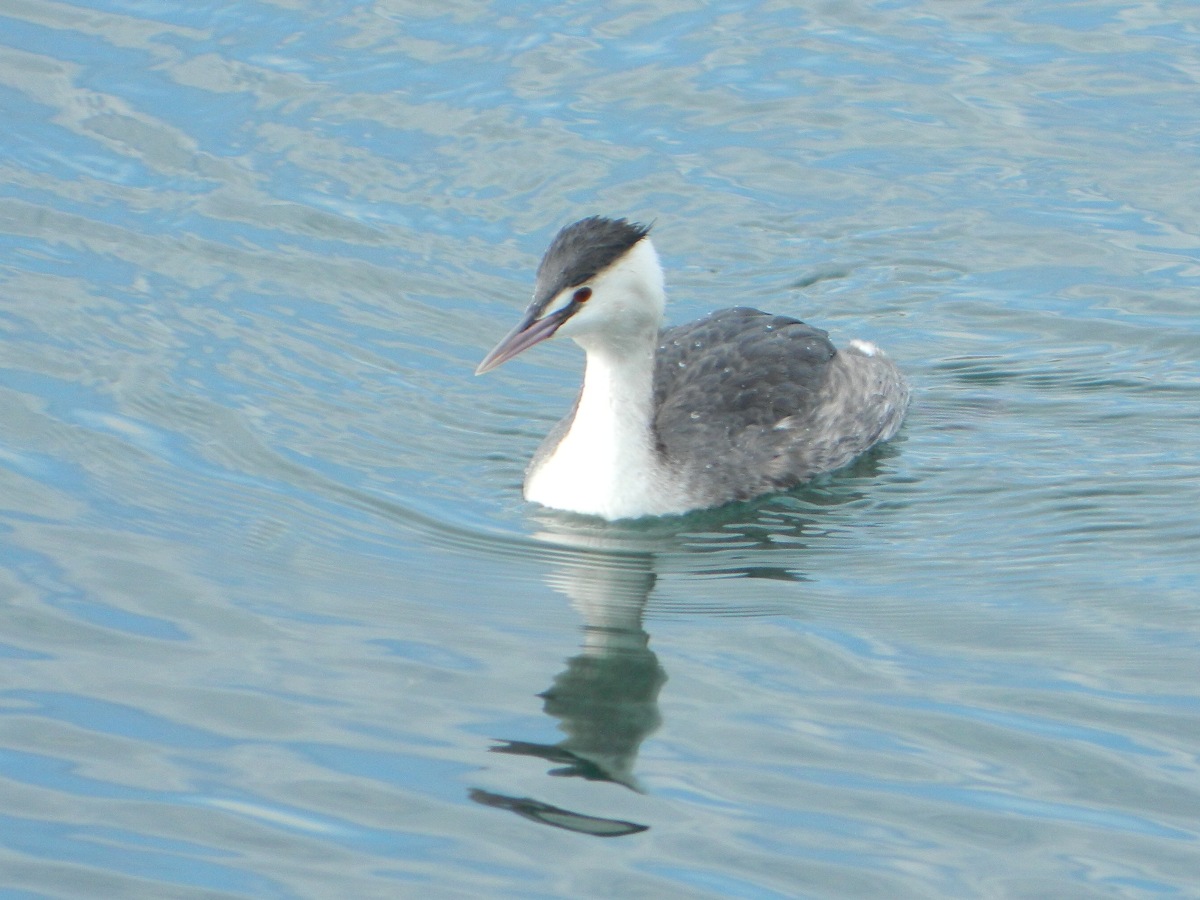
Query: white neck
{"points": [[606, 464]]}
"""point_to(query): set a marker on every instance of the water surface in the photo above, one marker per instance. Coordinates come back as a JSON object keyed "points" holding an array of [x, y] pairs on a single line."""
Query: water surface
{"points": [[274, 620]]}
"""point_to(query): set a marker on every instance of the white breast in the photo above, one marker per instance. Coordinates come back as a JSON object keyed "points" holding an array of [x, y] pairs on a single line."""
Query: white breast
{"points": [[606, 464]]}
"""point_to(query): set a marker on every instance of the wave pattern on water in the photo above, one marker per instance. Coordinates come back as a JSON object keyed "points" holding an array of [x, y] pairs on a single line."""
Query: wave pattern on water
{"points": [[276, 622]]}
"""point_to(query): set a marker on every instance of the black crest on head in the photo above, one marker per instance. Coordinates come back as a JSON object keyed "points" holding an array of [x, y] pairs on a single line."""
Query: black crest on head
{"points": [[582, 250]]}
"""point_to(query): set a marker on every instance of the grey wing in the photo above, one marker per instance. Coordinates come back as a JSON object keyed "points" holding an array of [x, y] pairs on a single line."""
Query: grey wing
{"points": [[732, 390]]}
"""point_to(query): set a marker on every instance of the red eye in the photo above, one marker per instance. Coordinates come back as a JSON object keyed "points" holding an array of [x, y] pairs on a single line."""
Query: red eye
{"points": [[582, 295]]}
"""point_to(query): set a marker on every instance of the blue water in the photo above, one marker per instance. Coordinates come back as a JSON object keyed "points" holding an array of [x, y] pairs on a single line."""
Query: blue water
{"points": [[274, 619]]}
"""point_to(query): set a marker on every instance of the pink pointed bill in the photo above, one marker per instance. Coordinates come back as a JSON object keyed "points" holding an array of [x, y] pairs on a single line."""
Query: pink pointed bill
{"points": [[529, 331]]}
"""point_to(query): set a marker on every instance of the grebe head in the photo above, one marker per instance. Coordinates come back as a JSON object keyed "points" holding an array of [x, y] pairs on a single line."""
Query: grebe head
{"points": [[599, 282]]}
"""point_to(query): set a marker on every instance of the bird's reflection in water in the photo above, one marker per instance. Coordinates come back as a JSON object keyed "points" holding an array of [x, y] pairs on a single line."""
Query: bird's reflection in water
{"points": [[545, 814], [606, 699]]}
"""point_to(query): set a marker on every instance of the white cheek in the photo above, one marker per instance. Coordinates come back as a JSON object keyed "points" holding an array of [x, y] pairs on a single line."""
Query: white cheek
{"points": [[560, 302], [580, 322]]}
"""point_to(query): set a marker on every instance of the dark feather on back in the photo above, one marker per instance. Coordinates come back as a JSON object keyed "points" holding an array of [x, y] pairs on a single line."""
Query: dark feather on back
{"points": [[724, 383]]}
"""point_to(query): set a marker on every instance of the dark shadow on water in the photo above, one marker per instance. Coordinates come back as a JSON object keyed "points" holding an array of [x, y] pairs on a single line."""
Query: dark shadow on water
{"points": [[545, 814], [605, 700]]}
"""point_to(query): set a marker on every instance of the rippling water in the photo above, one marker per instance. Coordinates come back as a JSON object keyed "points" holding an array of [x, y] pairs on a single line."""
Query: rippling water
{"points": [[274, 620]]}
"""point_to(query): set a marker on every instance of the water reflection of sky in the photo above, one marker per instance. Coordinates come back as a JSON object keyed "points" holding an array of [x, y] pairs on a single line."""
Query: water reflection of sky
{"points": [[275, 617]]}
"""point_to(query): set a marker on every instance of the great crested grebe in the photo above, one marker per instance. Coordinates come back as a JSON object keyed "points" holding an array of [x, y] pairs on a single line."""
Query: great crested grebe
{"points": [[734, 405]]}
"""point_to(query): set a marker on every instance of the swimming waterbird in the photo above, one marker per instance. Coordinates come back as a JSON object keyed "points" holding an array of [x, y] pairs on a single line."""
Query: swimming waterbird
{"points": [[734, 405]]}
